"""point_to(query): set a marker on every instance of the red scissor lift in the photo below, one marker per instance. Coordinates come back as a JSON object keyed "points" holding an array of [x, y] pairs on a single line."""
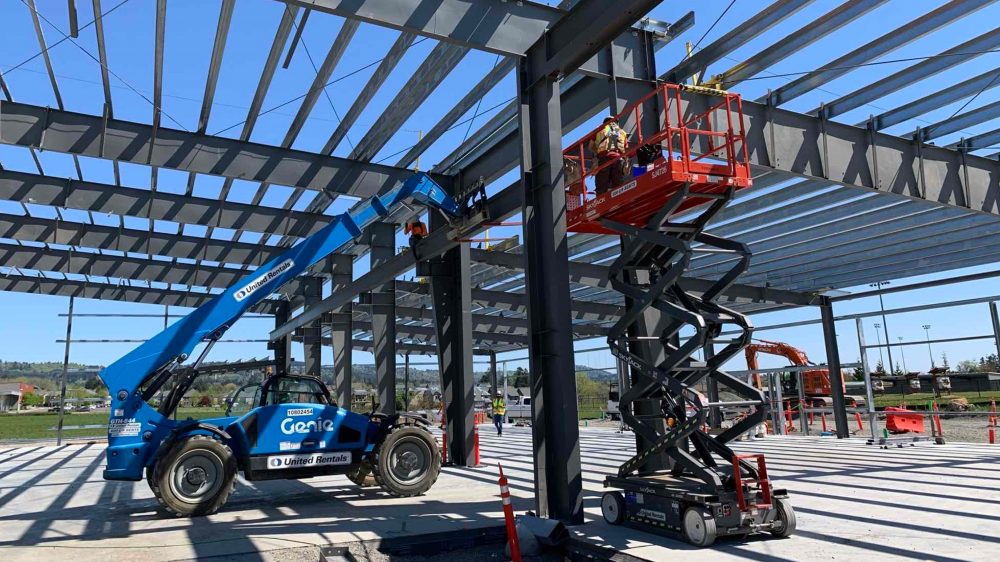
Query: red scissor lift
{"points": [[691, 167]]}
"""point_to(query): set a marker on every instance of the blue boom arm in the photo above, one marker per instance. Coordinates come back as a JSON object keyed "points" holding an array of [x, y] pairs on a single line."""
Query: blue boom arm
{"points": [[151, 363]]}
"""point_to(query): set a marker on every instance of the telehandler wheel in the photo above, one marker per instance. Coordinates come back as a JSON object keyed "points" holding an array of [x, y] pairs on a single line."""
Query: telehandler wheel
{"points": [[194, 477], [407, 462], [362, 476]]}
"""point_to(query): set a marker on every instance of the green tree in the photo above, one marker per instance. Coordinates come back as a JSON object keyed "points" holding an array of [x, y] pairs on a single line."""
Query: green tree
{"points": [[94, 384], [521, 377], [879, 368], [32, 399]]}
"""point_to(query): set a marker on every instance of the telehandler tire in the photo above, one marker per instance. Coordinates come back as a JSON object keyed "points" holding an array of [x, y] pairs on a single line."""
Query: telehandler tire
{"points": [[407, 462], [195, 477]]}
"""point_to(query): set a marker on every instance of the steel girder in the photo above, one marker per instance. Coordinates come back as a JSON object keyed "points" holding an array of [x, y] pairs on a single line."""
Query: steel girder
{"points": [[597, 276], [936, 100], [497, 26], [738, 36], [797, 40], [102, 198], [920, 71], [88, 135], [899, 37], [70, 233]]}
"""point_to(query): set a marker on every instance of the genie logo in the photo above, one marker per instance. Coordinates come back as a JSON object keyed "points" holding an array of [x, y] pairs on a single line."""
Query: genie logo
{"points": [[252, 286], [291, 427]]}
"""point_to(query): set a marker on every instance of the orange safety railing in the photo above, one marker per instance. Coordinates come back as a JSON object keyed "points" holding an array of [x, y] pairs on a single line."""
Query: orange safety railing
{"points": [[674, 143]]}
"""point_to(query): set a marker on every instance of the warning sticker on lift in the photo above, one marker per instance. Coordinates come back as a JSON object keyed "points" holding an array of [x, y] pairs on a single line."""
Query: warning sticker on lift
{"points": [[124, 427], [305, 461]]}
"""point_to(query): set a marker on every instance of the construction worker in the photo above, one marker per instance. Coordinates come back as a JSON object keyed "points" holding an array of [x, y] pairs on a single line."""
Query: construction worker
{"points": [[609, 144], [499, 410], [417, 231]]}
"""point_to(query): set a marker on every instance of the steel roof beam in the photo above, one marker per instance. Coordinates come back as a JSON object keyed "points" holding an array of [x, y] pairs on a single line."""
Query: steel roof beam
{"points": [[989, 139], [389, 62], [428, 76], [498, 26], [86, 135], [937, 100], [815, 148], [429, 332], [34, 229], [41, 258], [958, 122], [902, 35], [968, 241], [488, 82], [737, 37], [797, 40], [904, 234], [130, 201], [806, 242], [212, 80], [908, 76], [318, 86], [102, 291], [595, 275]]}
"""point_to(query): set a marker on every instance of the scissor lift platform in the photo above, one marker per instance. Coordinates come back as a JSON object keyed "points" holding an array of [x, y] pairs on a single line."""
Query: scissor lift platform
{"points": [[708, 176], [689, 169]]}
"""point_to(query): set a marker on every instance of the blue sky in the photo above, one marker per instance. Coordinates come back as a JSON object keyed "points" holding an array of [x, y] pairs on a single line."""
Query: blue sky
{"points": [[32, 323]]}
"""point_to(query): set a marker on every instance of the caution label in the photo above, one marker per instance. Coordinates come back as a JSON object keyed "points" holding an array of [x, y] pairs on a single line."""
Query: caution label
{"points": [[279, 462]]}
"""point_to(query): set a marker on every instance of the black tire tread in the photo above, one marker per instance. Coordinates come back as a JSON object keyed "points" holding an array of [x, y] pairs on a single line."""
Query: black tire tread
{"points": [[435, 462], [208, 509]]}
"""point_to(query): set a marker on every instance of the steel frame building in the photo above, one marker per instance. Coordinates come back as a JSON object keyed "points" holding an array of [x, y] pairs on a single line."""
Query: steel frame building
{"points": [[845, 204]]}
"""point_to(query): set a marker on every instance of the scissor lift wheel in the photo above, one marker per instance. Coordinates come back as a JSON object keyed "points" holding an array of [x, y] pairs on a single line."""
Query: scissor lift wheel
{"points": [[613, 507], [699, 527]]}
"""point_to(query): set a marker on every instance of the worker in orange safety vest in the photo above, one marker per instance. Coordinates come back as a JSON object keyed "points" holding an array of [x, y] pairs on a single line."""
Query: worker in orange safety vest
{"points": [[610, 144], [417, 231]]}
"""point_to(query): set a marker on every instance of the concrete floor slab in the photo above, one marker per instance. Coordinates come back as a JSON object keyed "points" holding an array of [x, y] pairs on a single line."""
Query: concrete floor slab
{"points": [[854, 502]]}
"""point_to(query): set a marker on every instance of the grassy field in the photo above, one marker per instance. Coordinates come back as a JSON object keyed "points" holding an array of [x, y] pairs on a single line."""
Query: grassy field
{"points": [[37, 425]]}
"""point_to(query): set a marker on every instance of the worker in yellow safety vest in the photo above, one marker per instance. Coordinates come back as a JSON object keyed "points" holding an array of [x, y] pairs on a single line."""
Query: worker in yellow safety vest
{"points": [[499, 410], [610, 144]]}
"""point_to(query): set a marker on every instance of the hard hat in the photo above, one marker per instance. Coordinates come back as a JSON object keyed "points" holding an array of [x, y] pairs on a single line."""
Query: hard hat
{"points": [[610, 118], [499, 394]]}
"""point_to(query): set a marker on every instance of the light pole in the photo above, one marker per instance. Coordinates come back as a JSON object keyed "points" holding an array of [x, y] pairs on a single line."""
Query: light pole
{"points": [[903, 353], [878, 336], [878, 285], [927, 332]]}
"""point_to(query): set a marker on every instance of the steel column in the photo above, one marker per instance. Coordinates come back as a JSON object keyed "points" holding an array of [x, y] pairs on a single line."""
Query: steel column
{"points": [[451, 291], [556, 435], [62, 380], [311, 290], [382, 238], [493, 374], [833, 365], [282, 346], [341, 329]]}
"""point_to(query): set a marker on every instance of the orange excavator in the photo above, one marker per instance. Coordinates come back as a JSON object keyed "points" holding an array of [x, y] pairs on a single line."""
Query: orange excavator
{"points": [[815, 383]]}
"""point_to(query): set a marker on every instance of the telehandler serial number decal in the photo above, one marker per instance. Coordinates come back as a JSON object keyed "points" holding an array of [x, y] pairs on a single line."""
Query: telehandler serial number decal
{"points": [[304, 461], [124, 427]]}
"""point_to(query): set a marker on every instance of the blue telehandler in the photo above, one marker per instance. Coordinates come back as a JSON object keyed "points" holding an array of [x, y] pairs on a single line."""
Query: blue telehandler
{"points": [[285, 427]]}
